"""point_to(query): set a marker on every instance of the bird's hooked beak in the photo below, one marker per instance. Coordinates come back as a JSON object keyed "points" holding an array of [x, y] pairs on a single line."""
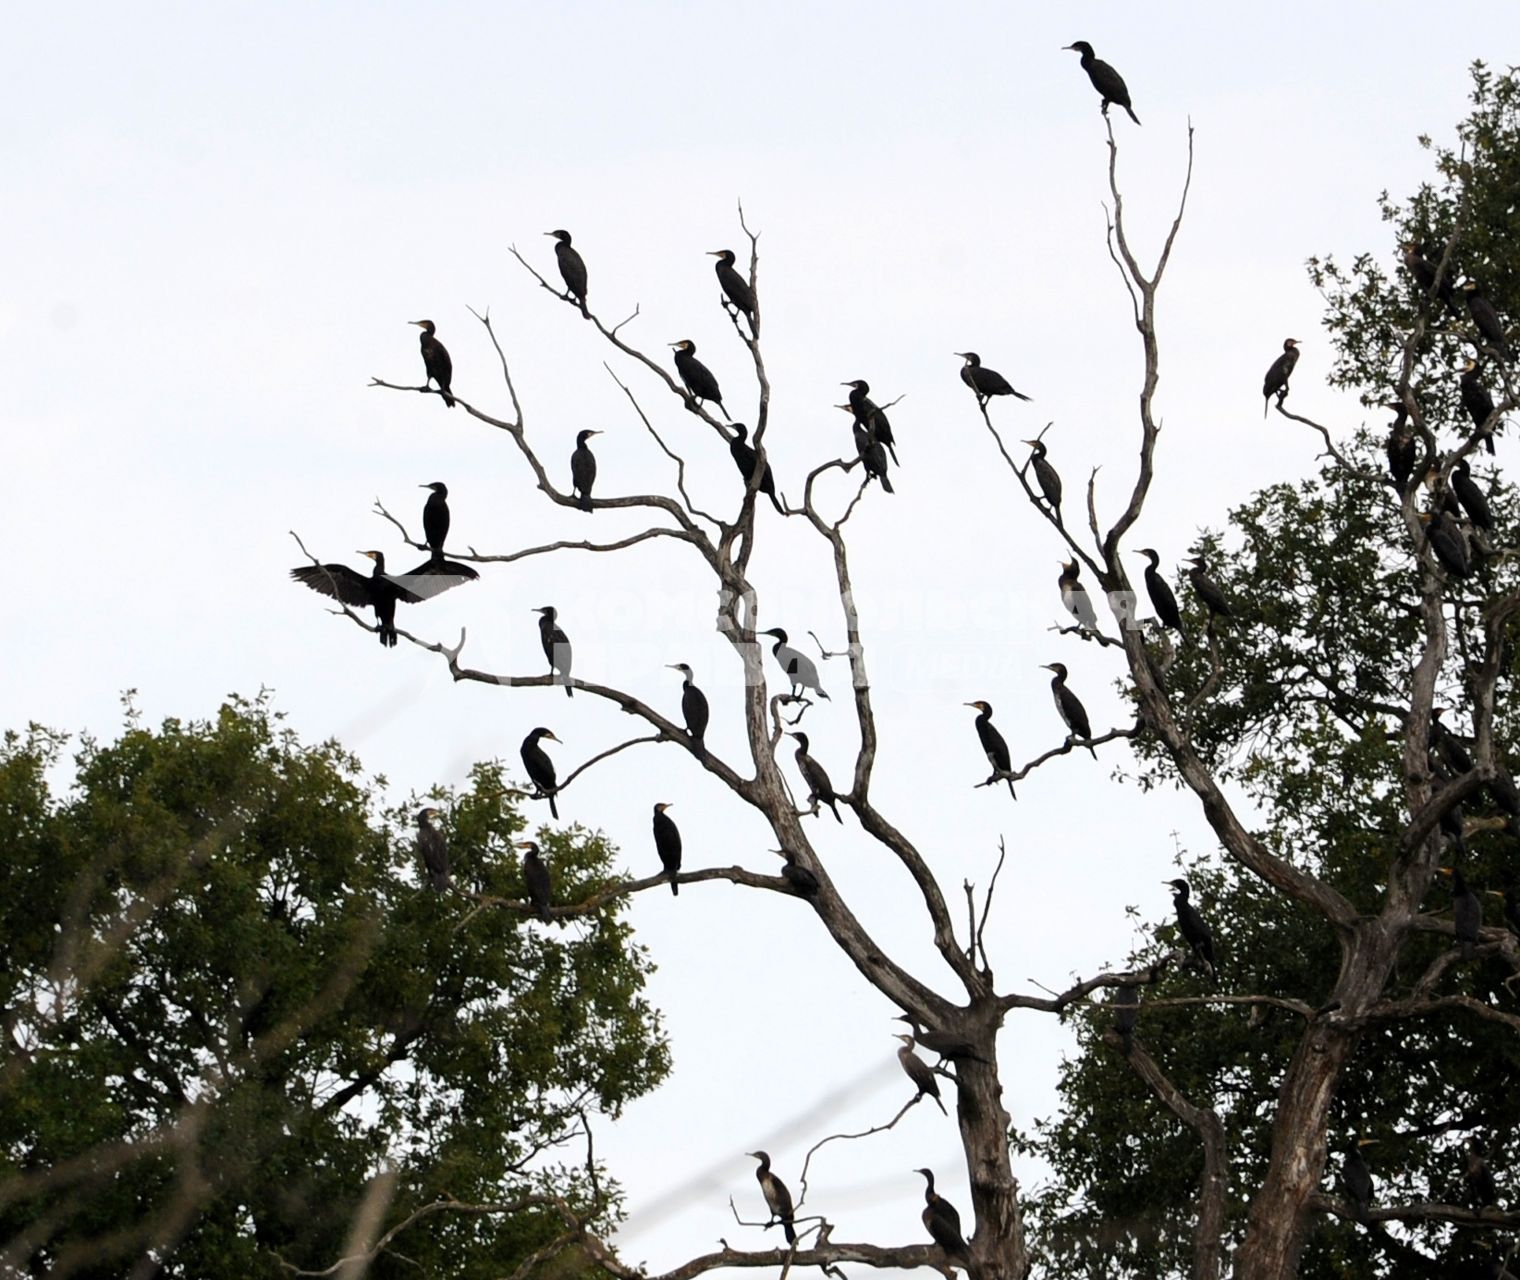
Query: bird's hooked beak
{"points": [[369, 555], [421, 324], [1047, 666], [961, 354], [552, 738], [596, 433], [715, 253]]}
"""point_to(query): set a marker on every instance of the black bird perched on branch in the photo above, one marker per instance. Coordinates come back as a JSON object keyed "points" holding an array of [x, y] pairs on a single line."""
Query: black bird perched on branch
{"points": [[1487, 320], [870, 451], [699, 380], [735, 287], [993, 746], [820, 789], [556, 645], [435, 360], [777, 1198], [1276, 381], [745, 457], [376, 591], [1047, 476], [985, 382], [433, 849], [1357, 1178], [1424, 273], [572, 268], [536, 879], [1470, 496], [803, 881], [694, 709], [435, 516], [1194, 931], [920, 1073], [583, 468], [1074, 595], [799, 668], [1070, 706], [1446, 540], [1466, 912], [1482, 1192], [1163, 601], [1207, 590], [667, 843], [1401, 444], [1108, 82], [539, 767], [1447, 745], [1477, 401], [1126, 1006], [867, 411], [942, 1221]]}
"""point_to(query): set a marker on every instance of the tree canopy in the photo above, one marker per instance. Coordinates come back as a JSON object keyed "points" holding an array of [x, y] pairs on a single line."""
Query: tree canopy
{"points": [[236, 1013]]}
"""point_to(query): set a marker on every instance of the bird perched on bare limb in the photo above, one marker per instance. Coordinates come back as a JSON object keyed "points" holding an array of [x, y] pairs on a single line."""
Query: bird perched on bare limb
{"points": [[572, 269], [699, 380], [993, 746], [1487, 321], [736, 290], [435, 360], [1108, 82], [985, 382], [583, 469], [820, 789], [1195, 931], [1074, 596], [667, 843], [694, 709], [943, 1222], [872, 414], [1048, 478], [777, 1198], [539, 767], [377, 591], [1276, 381], [1070, 707], [919, 1072], [799, 668], [536, 879], [556, 645]]}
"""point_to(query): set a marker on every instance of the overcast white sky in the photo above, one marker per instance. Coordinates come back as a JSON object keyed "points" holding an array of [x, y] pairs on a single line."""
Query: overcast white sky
{"points": [[220, 218]]}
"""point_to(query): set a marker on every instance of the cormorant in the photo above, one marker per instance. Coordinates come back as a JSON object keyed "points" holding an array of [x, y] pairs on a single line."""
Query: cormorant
{"points": [[735, 287], [993, 746], [435, 516], [985, 382], [798, 667], [377, 591], [1074, 595], [556, 645], [1276, 381], [1487, 320], [777, 1198], [693, 709], [1162, 599], [1470, 496], [1466, 912], [700, 383], [869, 412], [1070, 706], [943, 1223], [435, 359], [433, 849], [870, 451], [1478, 403], [1481, 1190], [1207, 590], [1357, 1178], [583, 468], [539, 767], [536, 879], [1194, 931], [572, 268], [820, 789], [919, 1072], [667, 843], [1448, 746], [1400, 448], [1105, 79], [744, 457], [1445, 538], [1047, 476], [1424, 273], [803, 881], [1126, 1006]]}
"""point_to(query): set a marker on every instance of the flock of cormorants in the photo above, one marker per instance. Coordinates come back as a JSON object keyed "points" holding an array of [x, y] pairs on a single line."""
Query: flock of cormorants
{"points": [[1456, 525]]}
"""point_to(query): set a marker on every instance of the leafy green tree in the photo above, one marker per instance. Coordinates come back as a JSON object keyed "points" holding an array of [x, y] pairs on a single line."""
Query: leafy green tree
{"points": [[237, 1019], [1317, 703]]}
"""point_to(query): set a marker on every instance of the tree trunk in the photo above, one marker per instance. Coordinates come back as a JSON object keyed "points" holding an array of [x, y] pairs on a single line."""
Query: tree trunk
{"points": [[997, 1248]]}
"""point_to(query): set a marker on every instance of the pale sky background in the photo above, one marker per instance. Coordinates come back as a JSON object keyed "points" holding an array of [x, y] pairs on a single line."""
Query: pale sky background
{"points": [[220, 218]]}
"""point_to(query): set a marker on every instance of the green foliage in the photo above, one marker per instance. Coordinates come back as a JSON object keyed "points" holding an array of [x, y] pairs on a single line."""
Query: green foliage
{"points": [[1305, 712], [230, 999]]}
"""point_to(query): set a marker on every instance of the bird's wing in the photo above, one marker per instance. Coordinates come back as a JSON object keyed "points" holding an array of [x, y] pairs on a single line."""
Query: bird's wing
{"points": [[432, 578], [335, 580]]}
